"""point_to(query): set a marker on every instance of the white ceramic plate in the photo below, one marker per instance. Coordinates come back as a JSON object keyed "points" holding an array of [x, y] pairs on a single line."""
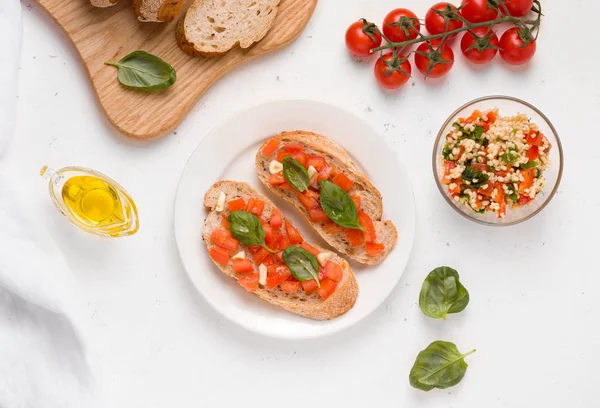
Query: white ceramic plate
{"points": [[228, 152]]}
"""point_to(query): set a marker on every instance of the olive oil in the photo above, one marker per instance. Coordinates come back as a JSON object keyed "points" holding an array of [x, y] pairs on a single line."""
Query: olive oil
{"points": [[93, 201]]}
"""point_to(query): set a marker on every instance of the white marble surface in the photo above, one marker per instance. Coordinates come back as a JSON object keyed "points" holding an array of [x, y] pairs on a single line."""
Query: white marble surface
{"points": [[533, 286]]}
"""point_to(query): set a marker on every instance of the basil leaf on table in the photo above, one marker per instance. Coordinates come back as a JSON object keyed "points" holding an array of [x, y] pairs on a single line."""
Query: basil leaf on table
{"points": [[440, 365], [295, 174], [246, 228], [338, 205], [302, 264], [442, 293], [145, 71]]}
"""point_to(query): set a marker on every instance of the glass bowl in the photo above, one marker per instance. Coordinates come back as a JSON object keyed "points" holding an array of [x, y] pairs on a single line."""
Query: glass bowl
{"points": [[507, 106]]}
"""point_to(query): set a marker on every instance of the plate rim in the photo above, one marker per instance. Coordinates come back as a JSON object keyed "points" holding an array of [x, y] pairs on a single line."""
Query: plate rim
{"points": [[410, 246]]}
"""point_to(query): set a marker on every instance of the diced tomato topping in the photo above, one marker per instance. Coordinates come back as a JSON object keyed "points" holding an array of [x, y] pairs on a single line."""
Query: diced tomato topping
{"points": [[255, 206], [284, 241], [533, 153], [242, 266], [480, 166], [308, 248], [332, 228], [301, 157], [249, 282], [535, 138], [523, 199], [223, 238], [254, 248], [314, 182], [374, 248], [474, 116], [333, 271], [321, 273], [294, 147], [343, 181], [277, 179], [276, 274], [270, 147], [276, 220], [357, 201], [448, 167], [225, 224], [269, 260], [457, 187], [528, 176], [318, 162], [307, 200], [310, 286], [219, 255], [290, 286], [236, 205], [325, 173], [277, 240], [293, 234], [355, 237], [282, 155], [260, 255], [268, 231], [485, 126], [318, 215], [491, 116], [367, 223], [327, 288], [279, 258], [285, 186]]}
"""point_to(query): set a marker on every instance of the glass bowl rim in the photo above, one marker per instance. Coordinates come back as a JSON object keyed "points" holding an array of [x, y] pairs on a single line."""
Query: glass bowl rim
{"points": [[512, 99]]}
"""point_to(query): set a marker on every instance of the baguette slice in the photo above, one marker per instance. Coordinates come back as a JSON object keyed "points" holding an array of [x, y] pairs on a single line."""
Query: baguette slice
{"points": [[371, 201], [301, 303], [158, 11], [103, 3], [212, 27]]}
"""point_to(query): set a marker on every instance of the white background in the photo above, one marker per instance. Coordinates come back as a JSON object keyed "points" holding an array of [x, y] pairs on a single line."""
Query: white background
{"points": [[533, 286]]}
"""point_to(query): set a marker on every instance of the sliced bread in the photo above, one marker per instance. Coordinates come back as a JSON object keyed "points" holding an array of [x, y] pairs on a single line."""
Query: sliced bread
{"points": [[103, 3], [305, 304], [338, 159], [212, 27], [158, 11]]}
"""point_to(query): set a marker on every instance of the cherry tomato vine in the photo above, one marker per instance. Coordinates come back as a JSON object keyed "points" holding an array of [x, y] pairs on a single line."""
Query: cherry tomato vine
{"points": [[434, 57]]}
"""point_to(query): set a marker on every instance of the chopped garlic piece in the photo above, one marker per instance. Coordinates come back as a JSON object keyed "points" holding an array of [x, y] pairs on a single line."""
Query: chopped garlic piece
{"points": [[262, 274], [239, 255], [275, 167], [323, 257], [220, 202]]}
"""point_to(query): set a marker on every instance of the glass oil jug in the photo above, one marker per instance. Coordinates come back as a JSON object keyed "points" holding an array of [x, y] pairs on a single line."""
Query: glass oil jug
{"points": [[92, 201]]}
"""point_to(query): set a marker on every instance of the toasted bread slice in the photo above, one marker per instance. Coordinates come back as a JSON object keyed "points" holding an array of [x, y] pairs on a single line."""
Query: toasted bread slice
{"points": [[103, 3], [158, 11], [338, 158], [212, 27], [301, 303]]}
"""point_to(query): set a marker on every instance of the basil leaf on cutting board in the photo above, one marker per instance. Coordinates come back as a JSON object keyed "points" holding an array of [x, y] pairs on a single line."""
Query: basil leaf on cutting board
{"points": [[246, 228], [144, 71], [295, 174], [442, 293], [440, 365], [302, 264], [339, 206]]}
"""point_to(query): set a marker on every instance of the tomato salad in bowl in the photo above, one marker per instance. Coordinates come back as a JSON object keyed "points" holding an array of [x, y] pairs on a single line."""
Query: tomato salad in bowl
{"points": [[492, 165]]}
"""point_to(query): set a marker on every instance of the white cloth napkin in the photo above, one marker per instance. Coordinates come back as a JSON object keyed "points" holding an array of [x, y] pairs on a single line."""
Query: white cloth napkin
{"points": [[42, 358]]}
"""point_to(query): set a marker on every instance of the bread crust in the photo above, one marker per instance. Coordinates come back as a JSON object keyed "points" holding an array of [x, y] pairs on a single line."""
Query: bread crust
{"points": [[372, 202], [158, 11], [311, 306], [103, 3]]}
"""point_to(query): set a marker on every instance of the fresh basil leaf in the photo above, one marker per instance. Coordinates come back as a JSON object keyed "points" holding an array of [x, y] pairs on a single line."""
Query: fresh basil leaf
{"points": [[529, 165], [302, 264], [470, 174], [246, 228], [442, 293], [295, 174], [338, 205], [144, 71], [440, 365]]}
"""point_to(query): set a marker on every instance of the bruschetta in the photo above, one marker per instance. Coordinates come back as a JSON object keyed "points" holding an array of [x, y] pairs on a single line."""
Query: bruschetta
{"points": [[250, 241], [320, 179]]}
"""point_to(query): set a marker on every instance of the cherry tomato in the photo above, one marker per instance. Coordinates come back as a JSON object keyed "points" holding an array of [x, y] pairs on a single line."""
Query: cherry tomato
{"points": [[436, 23], [513, 49], [518, 8], [473, 47], [441, 55], [362, 37], [478, 11], [401, 25], [392, 79]]}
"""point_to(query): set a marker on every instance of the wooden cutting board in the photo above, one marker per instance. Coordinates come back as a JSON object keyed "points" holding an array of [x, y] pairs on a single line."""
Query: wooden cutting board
{"points": [[109, 34]]}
